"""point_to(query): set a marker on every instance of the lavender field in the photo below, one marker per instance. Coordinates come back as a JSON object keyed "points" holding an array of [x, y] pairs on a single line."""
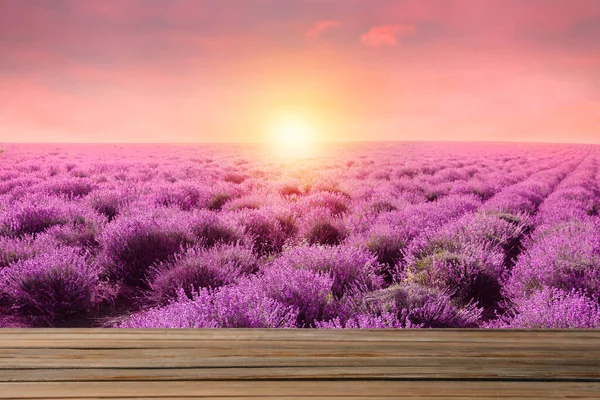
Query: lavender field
{"points": [[364, 235]]}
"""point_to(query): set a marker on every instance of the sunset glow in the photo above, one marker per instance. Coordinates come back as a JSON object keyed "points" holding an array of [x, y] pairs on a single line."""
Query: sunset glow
{"points": [[292, 135], [293, 130], [209, 71]]}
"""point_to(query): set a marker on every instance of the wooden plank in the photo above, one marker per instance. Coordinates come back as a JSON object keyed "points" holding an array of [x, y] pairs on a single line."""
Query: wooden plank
{"points": [[207, 357], [490, 367], [234, 349], [321, 389], [301, 398], [439, 370], [556, 343], [399, 396], [411, 335]]}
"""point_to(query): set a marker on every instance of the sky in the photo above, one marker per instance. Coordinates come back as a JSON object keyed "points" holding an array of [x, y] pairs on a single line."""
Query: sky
{"points": [[224, 70]]}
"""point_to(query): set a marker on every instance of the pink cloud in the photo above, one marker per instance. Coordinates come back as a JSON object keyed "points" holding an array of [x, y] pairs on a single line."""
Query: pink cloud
{"points": [[385, 35], [320, 27], [515, 22]]}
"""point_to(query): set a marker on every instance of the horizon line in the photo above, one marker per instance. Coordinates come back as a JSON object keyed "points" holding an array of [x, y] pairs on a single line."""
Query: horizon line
{"points": [[315, 143]]}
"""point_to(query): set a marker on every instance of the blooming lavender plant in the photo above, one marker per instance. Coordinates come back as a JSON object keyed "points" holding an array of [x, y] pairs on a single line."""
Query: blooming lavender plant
{"points": [[51, 288], [470, 271], [131, 246], [238, 306], [564, 256], [265, 231], [309, 292], [210, 228], [552, 308], [352, 269], [408, 306], [199, 268], [31, 217]]}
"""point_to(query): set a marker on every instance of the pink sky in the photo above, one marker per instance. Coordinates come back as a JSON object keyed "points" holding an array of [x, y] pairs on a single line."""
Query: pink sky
{"points": [[207, 70]]}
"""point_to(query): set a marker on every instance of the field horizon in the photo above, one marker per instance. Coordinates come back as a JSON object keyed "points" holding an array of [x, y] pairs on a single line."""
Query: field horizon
{"points": [[318, 142]]}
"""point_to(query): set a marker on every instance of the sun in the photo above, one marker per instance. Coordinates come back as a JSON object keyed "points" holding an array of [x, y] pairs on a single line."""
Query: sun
{"points": [[293, 134], [293, 130]]}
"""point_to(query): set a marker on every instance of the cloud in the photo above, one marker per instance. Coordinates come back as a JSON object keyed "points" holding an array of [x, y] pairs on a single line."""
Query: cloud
{"points": [[320, 27], [385, 35]]}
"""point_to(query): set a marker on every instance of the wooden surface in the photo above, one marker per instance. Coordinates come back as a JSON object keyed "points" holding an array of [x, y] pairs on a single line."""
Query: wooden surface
{"points": [[298, 364]]}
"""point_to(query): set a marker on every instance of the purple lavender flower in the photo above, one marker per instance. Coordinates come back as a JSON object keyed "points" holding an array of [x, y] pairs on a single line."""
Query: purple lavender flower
{"points": [[309, 292], [352, 269], [238, 306], [211, 228], [200, 268], [181, 195], [266, 233], [51, 288], [131, 245], [407, 306], [31, 217], [564, 256], [470, 271], [70, 188], [552, 308]]}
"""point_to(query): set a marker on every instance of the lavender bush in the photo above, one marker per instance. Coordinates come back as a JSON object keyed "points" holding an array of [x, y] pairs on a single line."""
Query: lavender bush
{"points": [[131, 246], [553, 309], [200, 268], [52, 288]]}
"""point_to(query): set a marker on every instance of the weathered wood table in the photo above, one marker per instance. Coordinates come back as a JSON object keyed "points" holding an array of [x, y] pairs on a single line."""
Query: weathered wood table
{"points": [[298, 364]]}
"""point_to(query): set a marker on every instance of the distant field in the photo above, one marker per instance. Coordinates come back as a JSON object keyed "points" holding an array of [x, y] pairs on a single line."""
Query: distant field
{"points": [[363, 235]]}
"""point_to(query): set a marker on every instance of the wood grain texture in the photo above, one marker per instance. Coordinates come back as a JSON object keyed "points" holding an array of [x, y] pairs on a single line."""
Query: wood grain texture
{"points": [[395, 389], [298, 364]]}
